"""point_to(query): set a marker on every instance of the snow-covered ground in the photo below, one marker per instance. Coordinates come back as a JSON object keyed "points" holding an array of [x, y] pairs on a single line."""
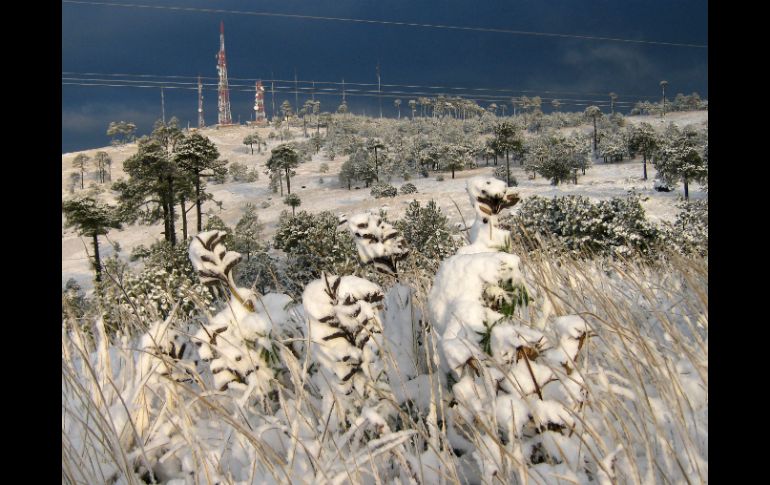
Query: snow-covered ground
{"points": [[601, 181]]}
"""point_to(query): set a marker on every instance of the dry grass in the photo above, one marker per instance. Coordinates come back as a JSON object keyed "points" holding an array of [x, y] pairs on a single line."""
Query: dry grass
{"points": [[644, 420]]}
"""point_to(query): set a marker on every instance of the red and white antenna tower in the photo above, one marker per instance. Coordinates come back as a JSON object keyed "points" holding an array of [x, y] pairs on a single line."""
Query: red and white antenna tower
{"points": [[201, 123], [259, 102], [225, 118]]}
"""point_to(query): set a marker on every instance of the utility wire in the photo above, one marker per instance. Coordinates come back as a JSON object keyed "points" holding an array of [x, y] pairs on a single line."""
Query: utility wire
{"points": [[354, 93], [387, 22], [249, 88], [332, 91], [409, 86]]}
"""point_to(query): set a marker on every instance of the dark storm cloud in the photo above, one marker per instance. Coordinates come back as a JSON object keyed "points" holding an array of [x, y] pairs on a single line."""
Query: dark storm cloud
{"points": [[135, 41]]}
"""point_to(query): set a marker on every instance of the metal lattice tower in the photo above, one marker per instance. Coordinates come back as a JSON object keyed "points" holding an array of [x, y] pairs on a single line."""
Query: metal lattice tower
{"points": [[225, 118], [201, 123], [259, 102]]}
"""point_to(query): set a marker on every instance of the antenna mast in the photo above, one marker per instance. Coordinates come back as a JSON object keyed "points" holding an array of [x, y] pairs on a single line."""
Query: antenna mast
{"points": [[201, 123], [225, 118], [259, 102]]}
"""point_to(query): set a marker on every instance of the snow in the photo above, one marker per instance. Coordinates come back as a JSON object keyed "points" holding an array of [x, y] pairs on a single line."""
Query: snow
{"points": [[602, 181], [377, 241], [523, 393], [455, 300]]}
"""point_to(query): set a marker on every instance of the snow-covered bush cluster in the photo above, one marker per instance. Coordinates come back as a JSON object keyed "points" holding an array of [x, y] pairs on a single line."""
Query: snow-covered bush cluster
{"points": [[162, 284], [512, 375], [504, 368], [689, 233], [427, 231], [614, 227], [381, 189], [313, 244], [501, 173], [407, 188], [237, 340]]}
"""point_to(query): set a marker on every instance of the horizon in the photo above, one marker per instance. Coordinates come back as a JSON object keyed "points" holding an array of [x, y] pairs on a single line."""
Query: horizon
{"points": [[100, 47]]}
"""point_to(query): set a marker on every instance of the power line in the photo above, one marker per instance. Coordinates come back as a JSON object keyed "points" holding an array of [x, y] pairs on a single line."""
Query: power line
{"points": [[388, 22], [337, 83], [310, 89], [354, 93]]}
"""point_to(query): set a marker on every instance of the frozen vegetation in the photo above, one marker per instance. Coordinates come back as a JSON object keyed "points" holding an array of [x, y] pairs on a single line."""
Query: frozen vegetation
{"points": [[524, 339]]}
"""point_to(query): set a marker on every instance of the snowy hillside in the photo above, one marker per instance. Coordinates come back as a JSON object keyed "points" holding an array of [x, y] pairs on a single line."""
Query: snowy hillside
{"points": [[602, 181]]}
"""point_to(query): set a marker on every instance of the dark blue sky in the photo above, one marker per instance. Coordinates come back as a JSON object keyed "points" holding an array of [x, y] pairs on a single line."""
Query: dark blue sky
{"points": [[117, 40]]}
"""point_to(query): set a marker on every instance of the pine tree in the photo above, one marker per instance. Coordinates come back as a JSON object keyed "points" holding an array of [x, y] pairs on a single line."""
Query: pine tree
{"points": [[92, 218], [293, 201], [374, 145], [199, 158], [455, 157], [426, 229], [283, 159], [80, 162], [150, 192], [251, 140], [121, 132], [347, 173], [286, 109], [645, 141], [103, 161], [248, 231], [680, 157], [508, 140], [594, 112]]}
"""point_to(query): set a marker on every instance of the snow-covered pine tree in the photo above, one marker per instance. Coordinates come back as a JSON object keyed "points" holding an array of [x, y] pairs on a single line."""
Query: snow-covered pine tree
{"points": [[248, 231], [426, 229], [680, 157]]}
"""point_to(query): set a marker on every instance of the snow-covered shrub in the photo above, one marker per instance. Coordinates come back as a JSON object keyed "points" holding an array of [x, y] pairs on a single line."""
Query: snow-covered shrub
{"points": [[163, 255], [237, 341], [660, 184], [262, 271], [511, 377], [612, 227], [427, 230], [501, 173], [689, 234], [488, 197], [346, 337], [164, 281], [73, 301], [407, 188], [377, 242], [383, 190], [237, 171], [252, 175], [313, 244]]}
